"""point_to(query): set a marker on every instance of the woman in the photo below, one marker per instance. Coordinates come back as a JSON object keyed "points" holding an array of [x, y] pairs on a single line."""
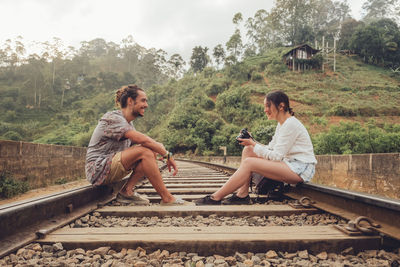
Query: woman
{"points": [[288, 158]]}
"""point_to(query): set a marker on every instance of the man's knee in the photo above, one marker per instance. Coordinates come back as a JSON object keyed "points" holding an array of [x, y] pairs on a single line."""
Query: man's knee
{"points": [[148, 153]]}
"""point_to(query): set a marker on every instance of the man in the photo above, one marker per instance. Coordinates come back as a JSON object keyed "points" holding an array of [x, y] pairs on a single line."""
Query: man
{"points": [[117, 149]]}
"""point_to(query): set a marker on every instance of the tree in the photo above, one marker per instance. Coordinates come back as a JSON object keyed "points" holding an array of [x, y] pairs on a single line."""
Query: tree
{"points": [[349, 26], [129, 51], [260, 31], [291, 15], [235, 45], [199, 58], [379, 9], [378, 42], [219, 54], [176, 64]]}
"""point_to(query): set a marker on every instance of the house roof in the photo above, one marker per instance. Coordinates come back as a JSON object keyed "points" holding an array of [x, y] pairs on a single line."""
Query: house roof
{"points": [[314, 51]]}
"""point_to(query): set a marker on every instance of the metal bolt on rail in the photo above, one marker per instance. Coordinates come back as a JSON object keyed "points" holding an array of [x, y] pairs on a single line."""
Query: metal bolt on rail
{"points": [[304, 202]]}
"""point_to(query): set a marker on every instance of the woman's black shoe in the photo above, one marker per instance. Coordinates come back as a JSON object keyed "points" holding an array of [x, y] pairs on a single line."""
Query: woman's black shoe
{"points": [[235, 200], [207, 200]]}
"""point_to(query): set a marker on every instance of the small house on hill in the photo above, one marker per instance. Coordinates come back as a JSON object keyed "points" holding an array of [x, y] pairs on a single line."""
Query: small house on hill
{"points": [[301, 58]]}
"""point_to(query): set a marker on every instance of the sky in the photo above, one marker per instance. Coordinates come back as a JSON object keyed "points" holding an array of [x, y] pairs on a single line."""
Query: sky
{"points": [[175, 26]]}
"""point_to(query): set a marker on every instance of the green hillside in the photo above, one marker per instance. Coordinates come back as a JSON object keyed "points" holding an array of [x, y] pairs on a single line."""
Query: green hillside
{"points": [[199, 113], [202, 111]]}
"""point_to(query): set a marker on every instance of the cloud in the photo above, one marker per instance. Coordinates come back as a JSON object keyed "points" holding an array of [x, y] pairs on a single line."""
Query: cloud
{"points": [[175, 26]]}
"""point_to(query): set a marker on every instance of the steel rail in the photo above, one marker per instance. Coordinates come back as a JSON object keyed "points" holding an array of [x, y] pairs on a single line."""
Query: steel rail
{"points": [[21, 221], [347, 204]]}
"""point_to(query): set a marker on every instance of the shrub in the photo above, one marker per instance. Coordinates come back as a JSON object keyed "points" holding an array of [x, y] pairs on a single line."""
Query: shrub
{"points": [[11, 116], [12, 135], [257, 77], [10, 187], [340, 110], [351, 138], [215, 88]]}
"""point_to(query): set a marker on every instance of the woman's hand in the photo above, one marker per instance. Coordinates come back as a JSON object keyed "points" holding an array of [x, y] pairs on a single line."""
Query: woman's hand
{"points": [[246, 142]]}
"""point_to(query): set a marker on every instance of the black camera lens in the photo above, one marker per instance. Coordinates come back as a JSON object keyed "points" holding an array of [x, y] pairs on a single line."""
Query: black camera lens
{"points": [[244, 134]]}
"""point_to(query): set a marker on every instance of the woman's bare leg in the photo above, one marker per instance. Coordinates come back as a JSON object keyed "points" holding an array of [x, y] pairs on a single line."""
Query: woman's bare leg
{"points": [[149, 169], [276, 170], [247, 152]]}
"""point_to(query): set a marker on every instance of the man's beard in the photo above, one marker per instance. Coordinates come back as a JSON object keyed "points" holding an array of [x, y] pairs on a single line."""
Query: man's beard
{"points": [[136, 114]]}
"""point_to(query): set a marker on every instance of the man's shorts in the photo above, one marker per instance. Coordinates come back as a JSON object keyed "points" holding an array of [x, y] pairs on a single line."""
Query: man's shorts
{"points": [[117, 171]]}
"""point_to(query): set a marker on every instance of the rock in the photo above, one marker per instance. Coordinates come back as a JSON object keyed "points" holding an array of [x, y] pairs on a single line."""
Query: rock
{"points": [[29, 254], [302, 263], [140, 264], [80, 251], [101, 251], [197, 258], [20, 251], [271, 254], [303, 254], [256, 260], [323, 255], [164, 254], [219, 261], [174, 255], [248, 262], [199, 264], [132, 252], [348, 251], [290, 255], [57, 247], [240, 257], [155, 263], [61, 253], [250, 254], [118, 255], [79, 257], [265, 263], [395, 263], [155, 254], [47, 248], [211, 259], [313, 258], [37, 247], [332, 256], [47, 254], [230, 260]]}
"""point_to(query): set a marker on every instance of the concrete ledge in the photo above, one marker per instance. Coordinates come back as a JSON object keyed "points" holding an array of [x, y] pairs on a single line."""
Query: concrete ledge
{"points": [[377, 174], [41, 164]]}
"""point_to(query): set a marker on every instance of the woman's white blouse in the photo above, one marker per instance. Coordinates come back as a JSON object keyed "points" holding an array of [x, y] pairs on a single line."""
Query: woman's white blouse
{"points": [[290, 141]]}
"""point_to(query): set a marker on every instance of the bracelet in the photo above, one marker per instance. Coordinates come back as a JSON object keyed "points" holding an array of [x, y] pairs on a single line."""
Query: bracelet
{"points": [[168, 155]]}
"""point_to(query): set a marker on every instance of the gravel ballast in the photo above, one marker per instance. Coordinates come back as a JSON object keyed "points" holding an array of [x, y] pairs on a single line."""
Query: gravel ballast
{"points": [[96, 220], [55, 255]]}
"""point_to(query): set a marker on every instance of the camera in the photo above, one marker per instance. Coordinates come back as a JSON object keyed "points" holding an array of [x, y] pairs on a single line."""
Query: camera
{"points": [[244, 134]]}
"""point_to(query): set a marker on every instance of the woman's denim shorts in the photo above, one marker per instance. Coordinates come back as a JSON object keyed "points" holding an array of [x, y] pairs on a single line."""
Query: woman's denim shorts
{"points": [[305, 170]]}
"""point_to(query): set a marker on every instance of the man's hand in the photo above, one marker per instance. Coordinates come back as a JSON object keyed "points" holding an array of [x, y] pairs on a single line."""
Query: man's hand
{"points": [[171, 163]]}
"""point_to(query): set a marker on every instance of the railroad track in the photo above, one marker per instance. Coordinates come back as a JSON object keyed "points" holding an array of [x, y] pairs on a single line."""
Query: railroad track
{"points": [[94, 220]]}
